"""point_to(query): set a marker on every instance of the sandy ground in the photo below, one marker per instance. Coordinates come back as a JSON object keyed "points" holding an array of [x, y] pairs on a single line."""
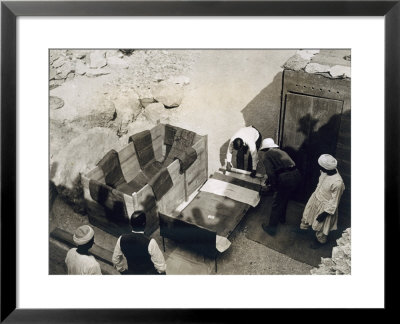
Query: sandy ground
{"points": [[227, 90]]}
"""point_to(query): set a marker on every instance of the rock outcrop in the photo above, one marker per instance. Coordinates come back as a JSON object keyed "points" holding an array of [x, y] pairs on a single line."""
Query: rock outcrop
{"points": [[156, 112], [97, 59], [80, 156], [168, 93]]}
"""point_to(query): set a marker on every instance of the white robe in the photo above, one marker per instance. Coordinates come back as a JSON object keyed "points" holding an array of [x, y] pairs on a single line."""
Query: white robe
{"points": [[325, 198], [79, 264]]}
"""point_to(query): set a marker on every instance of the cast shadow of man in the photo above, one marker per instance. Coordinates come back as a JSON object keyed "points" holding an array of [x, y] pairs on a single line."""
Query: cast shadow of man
{"points": [[262, 112]]}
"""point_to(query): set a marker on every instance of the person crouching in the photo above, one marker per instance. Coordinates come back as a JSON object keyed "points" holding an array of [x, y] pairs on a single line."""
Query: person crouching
{"points": [[135, 253]]}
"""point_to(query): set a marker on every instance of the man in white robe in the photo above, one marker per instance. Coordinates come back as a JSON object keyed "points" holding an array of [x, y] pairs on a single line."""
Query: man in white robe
{"points": [[321, 211], [78, 260]]}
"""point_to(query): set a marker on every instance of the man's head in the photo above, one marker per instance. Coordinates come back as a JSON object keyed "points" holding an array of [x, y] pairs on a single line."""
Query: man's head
{"points": [[84, 237], [237, 143], [267, 144], [327, 163], [138, 221]]}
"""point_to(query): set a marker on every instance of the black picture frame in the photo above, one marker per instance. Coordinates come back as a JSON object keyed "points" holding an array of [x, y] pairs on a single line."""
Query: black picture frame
{"points": [[11, 10]]}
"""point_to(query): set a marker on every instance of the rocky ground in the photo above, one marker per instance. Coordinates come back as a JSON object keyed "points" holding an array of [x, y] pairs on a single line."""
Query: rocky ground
{"points": [[100, 97]]}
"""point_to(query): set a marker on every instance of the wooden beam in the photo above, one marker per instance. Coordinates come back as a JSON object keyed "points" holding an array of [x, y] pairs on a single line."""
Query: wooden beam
{"points": [[97, 251]]}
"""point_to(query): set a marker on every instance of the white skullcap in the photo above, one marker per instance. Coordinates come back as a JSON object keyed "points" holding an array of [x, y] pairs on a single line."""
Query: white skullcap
{"points": [[268, 143], [327, 161], [83, 234]]}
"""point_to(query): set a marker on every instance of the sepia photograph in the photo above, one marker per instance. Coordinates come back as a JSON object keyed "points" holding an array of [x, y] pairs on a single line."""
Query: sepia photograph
{"points": [[199, 161]]}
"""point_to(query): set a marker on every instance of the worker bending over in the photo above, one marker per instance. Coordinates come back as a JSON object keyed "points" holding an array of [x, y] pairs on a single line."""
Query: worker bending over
{"points": [[244, 140], [284, 178]]}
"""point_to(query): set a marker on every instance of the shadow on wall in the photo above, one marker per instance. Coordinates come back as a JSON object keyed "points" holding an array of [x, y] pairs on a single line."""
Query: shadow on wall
{"points": [[318, 141], [263, 113]]}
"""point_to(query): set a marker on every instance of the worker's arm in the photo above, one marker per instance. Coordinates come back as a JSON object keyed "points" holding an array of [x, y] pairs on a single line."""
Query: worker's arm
{"points": [[229, 153], [270, 171], [118, 258], [336, 190], [254, 155], [157, 257]]}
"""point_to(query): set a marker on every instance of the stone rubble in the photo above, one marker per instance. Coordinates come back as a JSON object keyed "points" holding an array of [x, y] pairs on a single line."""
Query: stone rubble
{"points": [[340, 262], [301, 61], [168, 93]]}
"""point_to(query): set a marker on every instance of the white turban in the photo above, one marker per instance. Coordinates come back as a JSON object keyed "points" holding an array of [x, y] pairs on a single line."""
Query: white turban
{"points": [[83, 234], [327, 161]]}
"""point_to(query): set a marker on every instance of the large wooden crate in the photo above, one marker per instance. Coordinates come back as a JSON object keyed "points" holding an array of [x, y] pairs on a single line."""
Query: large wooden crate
{"points": [[184, 184]]}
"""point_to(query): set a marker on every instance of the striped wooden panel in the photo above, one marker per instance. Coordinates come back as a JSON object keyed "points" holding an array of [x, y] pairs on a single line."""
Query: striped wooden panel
{"points": [[176, 194], [145, 198], [96, 174], [157, 137], [129, 162]]}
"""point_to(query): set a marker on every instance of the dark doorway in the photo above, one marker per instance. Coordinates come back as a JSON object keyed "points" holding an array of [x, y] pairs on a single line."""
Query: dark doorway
{"points": [[310, 127]]}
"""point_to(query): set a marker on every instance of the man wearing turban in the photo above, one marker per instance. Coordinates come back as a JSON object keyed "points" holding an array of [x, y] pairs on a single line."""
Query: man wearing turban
{"points": [[321, 211], [78, 260]]}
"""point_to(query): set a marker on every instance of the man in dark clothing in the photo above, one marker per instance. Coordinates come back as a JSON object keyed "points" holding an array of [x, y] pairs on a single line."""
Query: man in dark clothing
{"points": [[283, 177], [135, 253]]}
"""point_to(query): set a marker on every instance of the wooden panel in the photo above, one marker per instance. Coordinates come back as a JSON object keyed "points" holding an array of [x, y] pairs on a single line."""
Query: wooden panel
{"points": [[97, 251], [96, 174], [176, 194], [310, 128], [97, 216], [227, 213], [316, 85], [302, 83], [129, 162], [145, 198], [157, 137], [197, 174]]}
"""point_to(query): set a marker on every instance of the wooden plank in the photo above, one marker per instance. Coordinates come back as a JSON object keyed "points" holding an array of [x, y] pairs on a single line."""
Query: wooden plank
{"points": [[245, 175], [129, 204], [96, 174], [225, 213], [157, 137], [236, 181], [316, 85], [129, 162], [97, 251], [145, 198], [177, 193], [174, 172], [158, 144]]}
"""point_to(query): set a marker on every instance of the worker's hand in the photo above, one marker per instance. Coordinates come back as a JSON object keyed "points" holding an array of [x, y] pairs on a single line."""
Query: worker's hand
{"points": [[228, 166], [321, 217], [253, 174]]}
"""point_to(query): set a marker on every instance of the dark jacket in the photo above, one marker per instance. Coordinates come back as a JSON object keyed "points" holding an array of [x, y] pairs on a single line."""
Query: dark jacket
{"points": [[135, 246]]}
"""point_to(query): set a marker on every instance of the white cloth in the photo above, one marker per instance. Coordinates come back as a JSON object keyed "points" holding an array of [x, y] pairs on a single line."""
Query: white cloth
{"points": [[222, 243], [249, 135], [325, 198], [79, 264], [121, 264], [238, 193]]}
